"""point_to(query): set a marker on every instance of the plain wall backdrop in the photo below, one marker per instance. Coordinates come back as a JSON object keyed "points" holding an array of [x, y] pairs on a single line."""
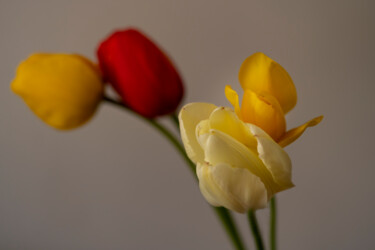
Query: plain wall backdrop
{"points": [[117, 184]]}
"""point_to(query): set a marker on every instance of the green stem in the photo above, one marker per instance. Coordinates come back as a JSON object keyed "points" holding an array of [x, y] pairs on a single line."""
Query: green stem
{"points": [[230, 227], [175, 120], [255, 230], [158, 127], [223, 214], [273, 215]]}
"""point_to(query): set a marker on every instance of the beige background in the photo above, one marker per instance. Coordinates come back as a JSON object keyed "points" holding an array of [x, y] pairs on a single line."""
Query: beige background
{"points": [[116, 184]]}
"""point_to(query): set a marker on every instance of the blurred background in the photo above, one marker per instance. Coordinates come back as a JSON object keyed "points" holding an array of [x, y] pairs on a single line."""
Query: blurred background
{"points": [[117, 184]]}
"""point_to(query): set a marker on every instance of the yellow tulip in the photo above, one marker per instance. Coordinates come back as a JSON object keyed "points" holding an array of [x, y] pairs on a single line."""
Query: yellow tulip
{"points": [[269, 95], [61, 89], [239, 153]]}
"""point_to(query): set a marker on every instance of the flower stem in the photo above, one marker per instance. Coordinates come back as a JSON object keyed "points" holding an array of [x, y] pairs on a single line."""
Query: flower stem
{"points": [[255, 230], [230, 227], [273, 215], [158, 127], [175, 121], [223, 214]]}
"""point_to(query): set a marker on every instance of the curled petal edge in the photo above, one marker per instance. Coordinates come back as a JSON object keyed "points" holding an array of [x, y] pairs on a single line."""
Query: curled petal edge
{"points": [[293, 134]]}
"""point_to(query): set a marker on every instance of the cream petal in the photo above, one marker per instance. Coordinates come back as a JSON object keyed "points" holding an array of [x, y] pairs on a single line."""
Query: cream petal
{"points": [[207, 189], [274, 158], [189, 117], [234, 188], [222, 148], [202, 132]]}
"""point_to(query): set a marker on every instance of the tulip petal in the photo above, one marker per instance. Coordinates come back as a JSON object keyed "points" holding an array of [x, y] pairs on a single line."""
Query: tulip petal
{"points": [[222, 148], [225, 120], [61, 89], [234, 188], [260, 73], [189, 117], [232, 97], [207, 189], [202, 132], [141, 73], [274, 158], [294, 133], [264, 111]]}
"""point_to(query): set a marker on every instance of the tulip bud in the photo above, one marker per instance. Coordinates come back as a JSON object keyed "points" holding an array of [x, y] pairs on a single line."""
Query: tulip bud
{"points": [[141, 73], [62, 90]]}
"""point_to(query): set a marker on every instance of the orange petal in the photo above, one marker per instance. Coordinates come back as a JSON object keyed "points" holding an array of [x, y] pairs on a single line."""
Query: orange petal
{"points": [[294, 133], [264, 111], [261, 74]]}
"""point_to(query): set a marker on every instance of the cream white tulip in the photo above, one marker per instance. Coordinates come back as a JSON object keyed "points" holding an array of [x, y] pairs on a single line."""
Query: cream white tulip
{"points": [[239, 166]]}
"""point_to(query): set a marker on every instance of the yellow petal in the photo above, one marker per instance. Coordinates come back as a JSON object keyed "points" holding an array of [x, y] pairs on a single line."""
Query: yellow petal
{"points": [[222, 148], [189, 117], [294, 133], [234, 188], [260, 73], [264, 111], [232, 97], [225, 120], [274, 158], [63, 90]]}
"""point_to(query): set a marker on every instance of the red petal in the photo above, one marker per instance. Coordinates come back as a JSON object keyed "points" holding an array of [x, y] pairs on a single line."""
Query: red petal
{"points": [[141, 73]]}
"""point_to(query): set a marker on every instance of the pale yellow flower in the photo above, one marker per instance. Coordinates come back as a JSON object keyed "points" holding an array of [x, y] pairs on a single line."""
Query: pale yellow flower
{"points": [[239, 166], [239, 153], [63, 90]]}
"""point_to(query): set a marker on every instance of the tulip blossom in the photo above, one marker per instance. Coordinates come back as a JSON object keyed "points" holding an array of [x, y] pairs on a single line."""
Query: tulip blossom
{"points": [[239, 153], [141, 73], [239, 166], [269, 95], [61, 89]]}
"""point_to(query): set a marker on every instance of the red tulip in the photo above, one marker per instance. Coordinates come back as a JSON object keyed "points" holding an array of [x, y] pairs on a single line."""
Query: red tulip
{"points": [[141, 73]]}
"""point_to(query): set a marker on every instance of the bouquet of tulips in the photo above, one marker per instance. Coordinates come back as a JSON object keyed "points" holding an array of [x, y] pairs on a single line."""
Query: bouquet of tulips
{"points": [[236, 153]]}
